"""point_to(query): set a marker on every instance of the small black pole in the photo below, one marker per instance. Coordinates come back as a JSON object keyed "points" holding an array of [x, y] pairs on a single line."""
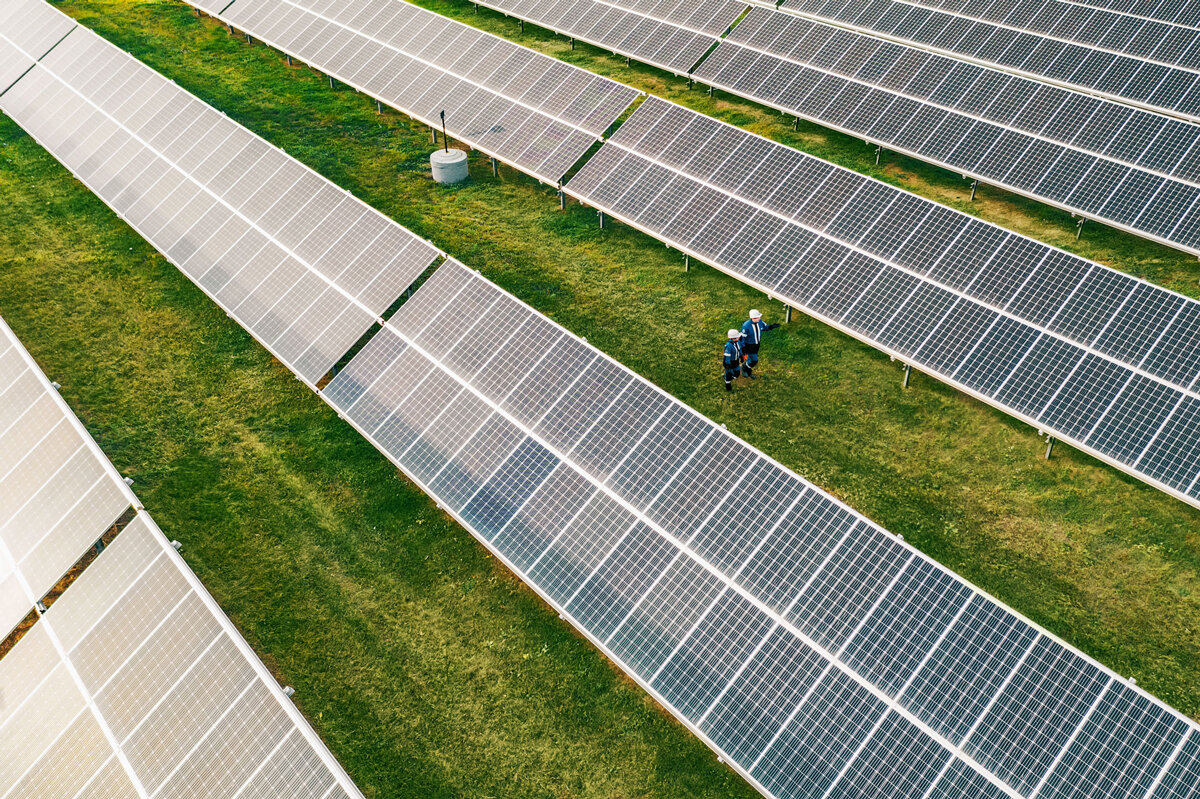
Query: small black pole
{"points": [[445, 141], [974, 186], [1079, 229]]}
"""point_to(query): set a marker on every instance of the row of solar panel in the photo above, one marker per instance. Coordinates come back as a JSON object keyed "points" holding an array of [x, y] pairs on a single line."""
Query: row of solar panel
{"points": [[524, 108], [1092, 156], [1094, 356], [98, 696], [1169, 88], [674, 39], [1103, 29], [133, 684], [820, 654]]}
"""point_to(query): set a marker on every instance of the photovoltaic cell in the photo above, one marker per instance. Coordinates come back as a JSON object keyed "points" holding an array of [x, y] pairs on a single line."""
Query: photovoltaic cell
{"points": [[915, 101], [529, 110], [305, 268], [1090, 355], [818, 654]]}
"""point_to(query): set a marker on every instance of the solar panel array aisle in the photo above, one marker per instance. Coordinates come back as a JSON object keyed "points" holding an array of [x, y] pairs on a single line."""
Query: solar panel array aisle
{"points": [[1097, 358], [133, 683], [303, 266], [58, 493], [1174, 89], [522, 107], [818, 653], [669, 35], [1133, 169]]}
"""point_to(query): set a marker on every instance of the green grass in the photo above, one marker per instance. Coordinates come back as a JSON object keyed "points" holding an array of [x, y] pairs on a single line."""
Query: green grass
{"points": [[426, 665]]}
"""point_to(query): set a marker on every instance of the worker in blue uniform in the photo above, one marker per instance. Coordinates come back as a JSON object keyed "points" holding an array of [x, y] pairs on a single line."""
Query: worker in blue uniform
{"points": [[733, 358], [752, 333]]}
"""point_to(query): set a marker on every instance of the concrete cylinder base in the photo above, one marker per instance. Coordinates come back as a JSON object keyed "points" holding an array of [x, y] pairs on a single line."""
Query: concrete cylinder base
{"points": [[449, 166]]}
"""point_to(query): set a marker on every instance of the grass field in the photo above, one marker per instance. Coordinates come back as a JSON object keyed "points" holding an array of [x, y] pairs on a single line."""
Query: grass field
{"points": [[427, 667]]}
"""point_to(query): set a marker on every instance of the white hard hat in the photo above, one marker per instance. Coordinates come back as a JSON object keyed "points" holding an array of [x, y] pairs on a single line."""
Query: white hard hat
{"points": [[735, 333], [754, 314]]}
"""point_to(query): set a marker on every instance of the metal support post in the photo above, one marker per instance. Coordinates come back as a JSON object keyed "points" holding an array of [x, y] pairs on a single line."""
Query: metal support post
{"points": [[710, 91], [601, 220], [796, 123], [434, 132], [248, 39], [1049, 446], [522, 25], [1079, 228], [228, 25], [289, 59], [687, 262], [974, 186], [378, 107], [787, 314], [331, 81], [572, 42], [878, 151], [495, 168], [562, 199], [626, 60], [907, 374]]}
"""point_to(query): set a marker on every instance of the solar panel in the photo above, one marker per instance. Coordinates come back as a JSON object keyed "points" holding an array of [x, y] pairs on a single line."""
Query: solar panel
{"points": [[667, 35], [34, 24], [817, 653], [135, 684], [1090, 355], [58, 493], [1131, 79], [303, 266], [1133, 169], [526, 109], [1154, 41]]}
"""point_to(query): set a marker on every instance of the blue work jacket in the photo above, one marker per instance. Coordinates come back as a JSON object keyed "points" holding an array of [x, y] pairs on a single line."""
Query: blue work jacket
{"points": [[733, 353]]}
